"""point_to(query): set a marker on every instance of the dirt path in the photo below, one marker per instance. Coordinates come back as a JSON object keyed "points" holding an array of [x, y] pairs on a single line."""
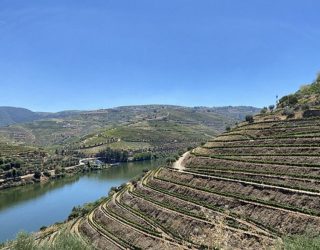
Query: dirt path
{"points": [[179, 164]]}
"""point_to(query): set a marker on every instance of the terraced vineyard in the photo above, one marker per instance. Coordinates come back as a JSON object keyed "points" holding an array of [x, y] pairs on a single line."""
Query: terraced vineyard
{"points": [[244, 189], [20, 156], [245, 192], [248, 188]]}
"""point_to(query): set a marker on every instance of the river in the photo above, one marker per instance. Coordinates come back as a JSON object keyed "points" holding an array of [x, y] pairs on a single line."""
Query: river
{"points": [[30, 207]]}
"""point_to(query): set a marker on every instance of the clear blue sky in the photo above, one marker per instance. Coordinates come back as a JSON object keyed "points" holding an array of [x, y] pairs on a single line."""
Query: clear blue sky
{"points": [[87, 54]]}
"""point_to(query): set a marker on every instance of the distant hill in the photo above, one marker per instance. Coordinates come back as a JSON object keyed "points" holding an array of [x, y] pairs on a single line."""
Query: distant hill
{"points": [[47, 129], [12, 115]]}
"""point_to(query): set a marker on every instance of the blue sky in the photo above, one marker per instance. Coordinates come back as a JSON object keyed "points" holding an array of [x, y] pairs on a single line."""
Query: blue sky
{"points": [[88, 54]]}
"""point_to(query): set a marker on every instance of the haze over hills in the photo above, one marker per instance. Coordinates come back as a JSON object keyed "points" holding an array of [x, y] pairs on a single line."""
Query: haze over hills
{"points": [[16, 115], [12, 115]]}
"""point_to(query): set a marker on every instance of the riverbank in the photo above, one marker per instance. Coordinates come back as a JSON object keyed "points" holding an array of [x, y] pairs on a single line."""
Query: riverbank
{"points": [[85, 165], [48, 175]]}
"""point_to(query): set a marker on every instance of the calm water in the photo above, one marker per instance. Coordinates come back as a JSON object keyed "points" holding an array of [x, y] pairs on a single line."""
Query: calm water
{"points": [[30, 207]]}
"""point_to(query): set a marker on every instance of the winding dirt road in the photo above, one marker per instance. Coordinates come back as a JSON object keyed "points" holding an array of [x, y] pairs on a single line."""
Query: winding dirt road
{"points": [[179, 164]]}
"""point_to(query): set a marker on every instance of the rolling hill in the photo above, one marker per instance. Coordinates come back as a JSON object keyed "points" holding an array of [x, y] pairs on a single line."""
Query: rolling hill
{"points": [[60, 128]]}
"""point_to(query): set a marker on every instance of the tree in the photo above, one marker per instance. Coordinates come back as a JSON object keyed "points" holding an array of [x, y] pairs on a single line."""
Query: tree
{"points": [[249, 118], [289, 112], [46, 173], [318, 78], [37, 174], [264, 110], [293, 100], [271, 107], [305, 107], [8, 174], [170, 160], [289, 100], [228, 128], [14, 172]]}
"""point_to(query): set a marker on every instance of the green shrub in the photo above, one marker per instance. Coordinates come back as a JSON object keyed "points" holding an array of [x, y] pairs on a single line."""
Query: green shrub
{"points": [[289, 100], [46, 173], [24, 241], [170, 160], [37, 174], [67, 241], [289, 112], [85, 209], [58, 170], [249, 118], [264, 110], [305, 107], [64, 241], [142, 156], [181, 152], [301, 242]]}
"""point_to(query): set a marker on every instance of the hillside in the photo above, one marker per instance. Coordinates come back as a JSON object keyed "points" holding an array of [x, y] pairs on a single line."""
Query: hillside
{"points": [[61, 139], [67, 127], [164, 129], [12, 115], [245, 189]]}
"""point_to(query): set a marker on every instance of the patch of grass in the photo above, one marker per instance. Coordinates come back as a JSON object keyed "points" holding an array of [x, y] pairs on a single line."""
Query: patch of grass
{"points": [[64, 241], [85, 209], [301, 242]]}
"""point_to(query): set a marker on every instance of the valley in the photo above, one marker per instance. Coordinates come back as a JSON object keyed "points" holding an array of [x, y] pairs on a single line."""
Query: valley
{"points": [[247, 188], [53, 145], [159, 125]]}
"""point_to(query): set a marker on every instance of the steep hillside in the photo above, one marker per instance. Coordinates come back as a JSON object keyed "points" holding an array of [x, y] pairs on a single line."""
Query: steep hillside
{"points": [[245, 189]]}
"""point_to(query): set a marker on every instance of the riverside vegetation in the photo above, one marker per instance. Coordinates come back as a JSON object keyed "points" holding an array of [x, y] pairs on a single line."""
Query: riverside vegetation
{"points": [[255, 186]]}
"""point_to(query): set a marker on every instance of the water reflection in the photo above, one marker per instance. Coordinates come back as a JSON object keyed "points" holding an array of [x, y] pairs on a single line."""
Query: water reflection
{"points": [[32, 206]]}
